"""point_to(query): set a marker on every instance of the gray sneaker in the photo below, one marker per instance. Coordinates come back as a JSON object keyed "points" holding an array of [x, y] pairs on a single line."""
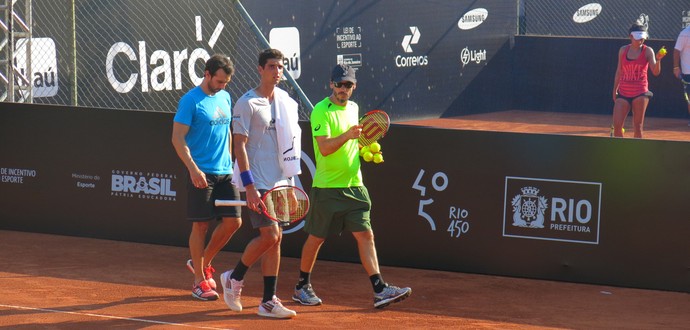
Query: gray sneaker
{"points": [[306, 296], [391, 294]]}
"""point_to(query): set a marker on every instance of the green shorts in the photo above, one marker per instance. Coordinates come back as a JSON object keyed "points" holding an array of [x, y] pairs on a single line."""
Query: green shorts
{"points": [[334, 210]]}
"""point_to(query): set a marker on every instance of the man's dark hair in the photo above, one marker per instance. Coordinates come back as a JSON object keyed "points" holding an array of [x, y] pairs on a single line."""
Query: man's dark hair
{"points": [[219, 61], [268, 54]]}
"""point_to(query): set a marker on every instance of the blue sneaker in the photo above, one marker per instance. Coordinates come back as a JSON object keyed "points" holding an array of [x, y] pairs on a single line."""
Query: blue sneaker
{"points": [[391, 294], [306, 296]]}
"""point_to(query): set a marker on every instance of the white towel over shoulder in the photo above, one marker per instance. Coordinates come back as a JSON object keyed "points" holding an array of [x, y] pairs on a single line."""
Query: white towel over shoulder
{"points": [[288, 132]]}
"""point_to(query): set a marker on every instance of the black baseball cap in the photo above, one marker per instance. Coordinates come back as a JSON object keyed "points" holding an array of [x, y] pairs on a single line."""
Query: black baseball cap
{"points": [[343, 72]]}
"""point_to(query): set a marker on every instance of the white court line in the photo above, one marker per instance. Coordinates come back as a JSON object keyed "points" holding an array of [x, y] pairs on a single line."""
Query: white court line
{"points": [[109, 317]]}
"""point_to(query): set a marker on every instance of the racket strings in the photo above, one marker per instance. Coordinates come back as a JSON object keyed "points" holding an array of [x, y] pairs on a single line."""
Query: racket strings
{"points": [[374, 127], [287, 205]]}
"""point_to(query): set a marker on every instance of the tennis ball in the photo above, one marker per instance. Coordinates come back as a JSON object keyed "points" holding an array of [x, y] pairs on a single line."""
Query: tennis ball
{"points": [[378, 158], [662, 51], [368, 156], [375, 147], [363, 151]]}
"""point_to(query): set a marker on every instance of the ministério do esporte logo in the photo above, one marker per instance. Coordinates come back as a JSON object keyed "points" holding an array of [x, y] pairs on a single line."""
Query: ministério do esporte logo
{"points": [[557, 210], [143, 185]]}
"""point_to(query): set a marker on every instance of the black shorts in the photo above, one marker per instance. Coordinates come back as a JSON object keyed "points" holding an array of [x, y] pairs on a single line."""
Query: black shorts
{"points": [[647, 94], [201, 202]]}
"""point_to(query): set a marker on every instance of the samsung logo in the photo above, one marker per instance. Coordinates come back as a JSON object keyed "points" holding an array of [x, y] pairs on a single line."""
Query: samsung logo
{"points": [[473, 18], [587, 13]]}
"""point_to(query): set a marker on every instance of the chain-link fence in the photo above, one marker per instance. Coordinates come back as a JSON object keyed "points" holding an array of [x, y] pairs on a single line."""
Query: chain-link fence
{"points": [[144, 55], [603, 18], [132, 54]]}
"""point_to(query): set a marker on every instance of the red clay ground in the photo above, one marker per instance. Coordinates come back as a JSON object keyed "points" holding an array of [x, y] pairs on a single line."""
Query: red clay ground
{"points": [[518, 121], [60, 282]]}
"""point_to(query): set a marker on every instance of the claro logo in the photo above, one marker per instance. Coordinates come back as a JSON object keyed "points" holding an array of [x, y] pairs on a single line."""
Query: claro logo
{"points": [[169, 66], [587, 13], [473, 18]]}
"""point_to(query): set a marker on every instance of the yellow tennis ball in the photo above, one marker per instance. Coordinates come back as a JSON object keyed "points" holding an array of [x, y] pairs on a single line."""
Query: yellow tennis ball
{"points": [[368, 156], [363, 151], [662, 51], [375, 147], [378, 158]]}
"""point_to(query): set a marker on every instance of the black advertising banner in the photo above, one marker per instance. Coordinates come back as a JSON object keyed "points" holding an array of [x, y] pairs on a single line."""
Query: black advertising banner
{"points": [[604, 18], [413, 58], [580, 209]]}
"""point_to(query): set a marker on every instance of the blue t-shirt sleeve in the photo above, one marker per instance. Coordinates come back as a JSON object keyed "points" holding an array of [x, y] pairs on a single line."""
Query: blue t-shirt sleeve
{"points": [[185, 111]]}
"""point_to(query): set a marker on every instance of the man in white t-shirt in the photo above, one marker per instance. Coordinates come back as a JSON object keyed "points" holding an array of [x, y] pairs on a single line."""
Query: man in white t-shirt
{"points": [[681, 62]]}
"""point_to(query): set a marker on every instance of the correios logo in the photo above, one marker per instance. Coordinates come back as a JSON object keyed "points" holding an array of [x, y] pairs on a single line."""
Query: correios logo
{"points": [[402, 61], [556, 210], [473, 18], [411, 39], [587, 13], [170, 67]]}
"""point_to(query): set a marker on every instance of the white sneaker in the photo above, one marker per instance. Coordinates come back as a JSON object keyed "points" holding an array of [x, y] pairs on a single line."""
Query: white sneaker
{"points": [[232, 291], [274, 308]]}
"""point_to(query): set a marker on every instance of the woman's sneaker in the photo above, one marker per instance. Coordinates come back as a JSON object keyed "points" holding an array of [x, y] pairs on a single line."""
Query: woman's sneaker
{"points": [[208, 273], [274, 308], [203, 291], [306, 296]]}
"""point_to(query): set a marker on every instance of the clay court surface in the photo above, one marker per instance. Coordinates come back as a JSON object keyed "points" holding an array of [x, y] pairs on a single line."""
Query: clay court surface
{"points": [[61, 282], [519, 121]]}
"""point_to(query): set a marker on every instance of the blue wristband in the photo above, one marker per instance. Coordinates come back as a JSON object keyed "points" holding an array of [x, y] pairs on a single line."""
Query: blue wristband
{"points": [[247, 178]]}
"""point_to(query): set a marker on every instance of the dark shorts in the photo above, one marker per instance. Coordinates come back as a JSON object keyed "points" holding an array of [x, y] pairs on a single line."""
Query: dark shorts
{"points": [[201, 202], [647, 94], [686, 86], [259, 219], [334, 210]]}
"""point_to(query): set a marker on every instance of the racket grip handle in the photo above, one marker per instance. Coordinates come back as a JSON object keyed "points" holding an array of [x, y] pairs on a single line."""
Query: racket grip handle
{"points": [[223, 202]]}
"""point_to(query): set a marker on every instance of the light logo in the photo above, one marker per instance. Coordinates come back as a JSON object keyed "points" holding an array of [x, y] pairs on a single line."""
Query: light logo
{"points": [[468, 55]]}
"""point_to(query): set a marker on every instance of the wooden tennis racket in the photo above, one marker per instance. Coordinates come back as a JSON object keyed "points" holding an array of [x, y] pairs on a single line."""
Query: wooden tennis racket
{"points": [[284, 204], [375, 125]]}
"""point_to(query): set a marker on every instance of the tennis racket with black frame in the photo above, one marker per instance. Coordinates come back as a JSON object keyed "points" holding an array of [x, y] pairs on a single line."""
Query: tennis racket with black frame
{"points": [[284, 204], [375, 125]]}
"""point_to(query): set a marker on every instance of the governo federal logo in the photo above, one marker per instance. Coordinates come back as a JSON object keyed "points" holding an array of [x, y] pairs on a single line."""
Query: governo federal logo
{"points": [[473, 18], [587, 13]]}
